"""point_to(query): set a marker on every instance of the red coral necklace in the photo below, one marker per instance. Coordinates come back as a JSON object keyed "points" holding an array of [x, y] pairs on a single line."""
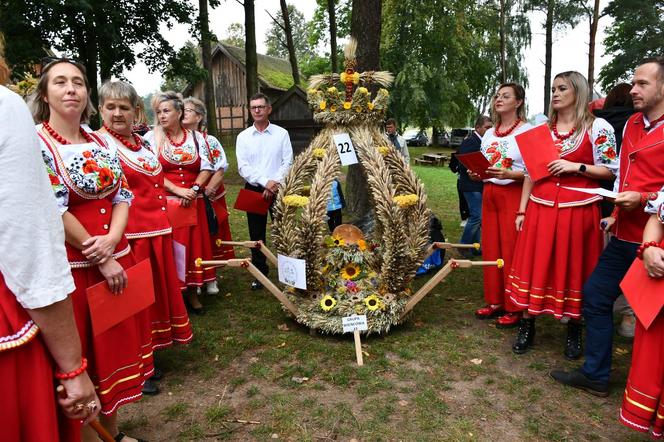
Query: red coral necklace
{"points": [[508, 131], [554, 128], [184, 138], [137, 140], [62, 140]]}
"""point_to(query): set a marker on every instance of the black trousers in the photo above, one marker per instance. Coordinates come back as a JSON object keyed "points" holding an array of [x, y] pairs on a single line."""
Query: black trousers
{"points": [[257, 232], [334, 219]]}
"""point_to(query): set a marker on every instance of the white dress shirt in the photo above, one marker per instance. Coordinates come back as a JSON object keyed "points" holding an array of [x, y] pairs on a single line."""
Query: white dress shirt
{"points": [[33, 260], [263, 156]]}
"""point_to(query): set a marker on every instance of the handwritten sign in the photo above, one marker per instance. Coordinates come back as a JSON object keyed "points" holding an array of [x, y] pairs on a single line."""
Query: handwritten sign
{"points": [[345, 149], [292, 271], [354, 323]]}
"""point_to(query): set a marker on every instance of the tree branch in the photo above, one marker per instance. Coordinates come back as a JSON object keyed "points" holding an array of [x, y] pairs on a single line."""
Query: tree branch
{"points": [[276, 21]]}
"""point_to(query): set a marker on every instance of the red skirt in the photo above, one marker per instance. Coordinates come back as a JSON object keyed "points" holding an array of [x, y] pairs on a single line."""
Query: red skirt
{"points": [[169, 318], [219, 251], [196, 240], [499, 207], [643, 401], [120, 359], [555, 254]]}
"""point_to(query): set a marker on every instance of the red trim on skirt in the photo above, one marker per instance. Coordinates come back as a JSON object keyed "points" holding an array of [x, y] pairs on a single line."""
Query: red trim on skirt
{"points": [[120, 359], [499, 207], [643, 401], [168, 315], [196, 240], [555, 254]]}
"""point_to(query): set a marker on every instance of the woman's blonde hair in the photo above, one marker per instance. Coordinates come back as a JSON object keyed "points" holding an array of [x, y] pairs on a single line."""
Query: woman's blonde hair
{"points": [[40, 109], [176, 99], [519, 94], [583, 119], [4, 69], [199, 107]]}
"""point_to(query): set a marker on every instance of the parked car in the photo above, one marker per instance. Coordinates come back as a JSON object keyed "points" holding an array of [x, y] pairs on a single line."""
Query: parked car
{"points": [[458, 135], [416, 137], [443, 139]]}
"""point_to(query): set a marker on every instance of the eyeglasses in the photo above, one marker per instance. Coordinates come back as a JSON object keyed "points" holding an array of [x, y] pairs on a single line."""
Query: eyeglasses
{"points": [[189, 111], [257, 108]]}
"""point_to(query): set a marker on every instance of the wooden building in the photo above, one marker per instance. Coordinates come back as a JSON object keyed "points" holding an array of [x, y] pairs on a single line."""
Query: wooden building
{"points": [[289, 105]]}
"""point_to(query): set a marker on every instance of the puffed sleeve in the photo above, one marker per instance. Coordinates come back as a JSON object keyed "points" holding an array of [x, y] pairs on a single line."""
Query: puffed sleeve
{"points": [[124, 195], [148, 138], [654, 207], [59, 189], [217, 154], [605, 151], [207, 163]]}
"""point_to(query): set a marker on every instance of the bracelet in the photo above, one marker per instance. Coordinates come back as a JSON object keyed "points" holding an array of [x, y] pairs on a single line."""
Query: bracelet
{"points": [[72, 374], [642, 248], [520, 213]]}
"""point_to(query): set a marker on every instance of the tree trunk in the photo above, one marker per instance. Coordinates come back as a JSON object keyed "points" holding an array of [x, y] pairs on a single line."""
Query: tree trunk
{"points": [[365, 27], [591, 46], [250, 49], [503, 56], [547, 58], [289, 42], [332, 15], [87, 48], [206, 56]]}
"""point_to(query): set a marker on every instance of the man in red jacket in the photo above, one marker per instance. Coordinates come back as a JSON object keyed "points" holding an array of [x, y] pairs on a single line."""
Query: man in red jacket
{"points": [[641, 175]]}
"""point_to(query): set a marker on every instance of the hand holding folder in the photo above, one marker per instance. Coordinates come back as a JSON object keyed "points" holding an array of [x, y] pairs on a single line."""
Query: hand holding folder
{"points": [[180, 216], [537, 150], [476, 162], [252, 202]]}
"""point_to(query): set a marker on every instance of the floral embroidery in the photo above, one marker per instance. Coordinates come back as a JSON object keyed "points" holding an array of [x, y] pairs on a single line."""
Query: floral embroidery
{"points": [[148, 164], [124, 194], [94, 170], [605, 146], [496, 153], [59, 189]]}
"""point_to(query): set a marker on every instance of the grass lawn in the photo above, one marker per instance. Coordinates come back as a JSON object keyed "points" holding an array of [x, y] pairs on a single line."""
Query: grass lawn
{"points": [[443, 375]]}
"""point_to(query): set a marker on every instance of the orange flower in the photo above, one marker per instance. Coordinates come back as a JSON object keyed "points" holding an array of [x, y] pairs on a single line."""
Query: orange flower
{"points": [[87, 154], [600, 140], [54, 180], [186, 157], [90, 166], [495, 157], [610, 153], [507, 163], [106, 177], [214, 153]]}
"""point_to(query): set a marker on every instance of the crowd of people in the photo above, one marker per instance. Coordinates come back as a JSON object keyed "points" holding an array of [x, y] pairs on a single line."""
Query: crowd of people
{"points": [[83, 207]]}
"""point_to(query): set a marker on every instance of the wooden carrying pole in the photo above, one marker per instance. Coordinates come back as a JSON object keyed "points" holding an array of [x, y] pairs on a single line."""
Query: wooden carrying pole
{"points": [[254, 245], [358, 347], [247, 264], [440, 275], [449, 245]]}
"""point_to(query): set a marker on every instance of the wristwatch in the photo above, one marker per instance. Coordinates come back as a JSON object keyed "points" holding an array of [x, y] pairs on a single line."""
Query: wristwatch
{"points": [[196, 188], [582, 168]]}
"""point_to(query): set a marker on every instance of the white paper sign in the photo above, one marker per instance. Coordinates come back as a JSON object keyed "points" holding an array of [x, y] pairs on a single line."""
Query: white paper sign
{"points": [[345, 149], [180, 255], [292, 271], [594, 191], [355, 322]]}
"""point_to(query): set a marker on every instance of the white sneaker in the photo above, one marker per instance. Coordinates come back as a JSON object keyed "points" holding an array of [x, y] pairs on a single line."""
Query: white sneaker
{"points": [[463, 223], [211, 288]]}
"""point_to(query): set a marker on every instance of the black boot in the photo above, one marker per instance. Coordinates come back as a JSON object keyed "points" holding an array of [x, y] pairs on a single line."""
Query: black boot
{"points": [[573, 346], [525, 336]]}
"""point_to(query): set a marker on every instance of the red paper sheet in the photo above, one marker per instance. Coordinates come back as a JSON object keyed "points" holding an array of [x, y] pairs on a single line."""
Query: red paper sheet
{"points": [[108, 310], [252, 202], [180, 216], [645, 294], [537, 150], [476, 162]]}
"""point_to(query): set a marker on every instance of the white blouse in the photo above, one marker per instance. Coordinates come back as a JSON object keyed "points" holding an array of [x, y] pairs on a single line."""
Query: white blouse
{"points": [[187, 152], [503, 152]]}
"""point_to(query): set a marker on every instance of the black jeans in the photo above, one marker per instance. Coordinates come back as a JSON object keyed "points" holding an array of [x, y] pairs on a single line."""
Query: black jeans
{"points": [[257, 232]]}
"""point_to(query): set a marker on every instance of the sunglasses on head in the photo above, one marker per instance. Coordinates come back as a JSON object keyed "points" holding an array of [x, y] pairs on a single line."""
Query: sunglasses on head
{"points": [[47, 62]]}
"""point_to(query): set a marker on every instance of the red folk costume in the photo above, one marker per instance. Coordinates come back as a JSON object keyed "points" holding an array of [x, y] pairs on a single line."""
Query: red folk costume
{"points": [[87, 180], [561, 239], [500, 202], [150, 236], [181, 165], [219, 251], [643, 400]]}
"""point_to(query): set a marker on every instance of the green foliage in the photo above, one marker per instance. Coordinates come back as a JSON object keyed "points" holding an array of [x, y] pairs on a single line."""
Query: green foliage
{"points": [[184, 68], [320, 23], [637, 32], [235, 35]]}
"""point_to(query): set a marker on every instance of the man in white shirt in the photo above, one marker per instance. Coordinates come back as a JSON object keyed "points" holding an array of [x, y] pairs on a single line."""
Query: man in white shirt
{"points": [[264, 155]]}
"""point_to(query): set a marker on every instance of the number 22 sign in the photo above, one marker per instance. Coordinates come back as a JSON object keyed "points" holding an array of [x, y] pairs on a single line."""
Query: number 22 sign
{"points": [[345, 148]]}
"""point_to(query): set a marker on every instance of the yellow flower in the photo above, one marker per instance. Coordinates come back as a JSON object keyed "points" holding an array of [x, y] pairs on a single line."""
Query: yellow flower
{"points": [[358, 109], [342, 77], [296, 200], [359, 309], [350, 271], [347, 105], [372, 274], [363, 90], [319, 152], [338, 241], [362, 244], [333, 108], [311, 91], [372, 302], [332, 90], [370, 106], [326, 268], [356, 77], [322, 105], [327, 303], [384, 150], [406, 200]]}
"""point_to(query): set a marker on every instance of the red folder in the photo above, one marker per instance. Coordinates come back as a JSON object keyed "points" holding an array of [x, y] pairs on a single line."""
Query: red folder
{"points": [[180, 216], [476, 162], [645, 294], [252, 202], [220, 211], [537, 150], [108, 309]]}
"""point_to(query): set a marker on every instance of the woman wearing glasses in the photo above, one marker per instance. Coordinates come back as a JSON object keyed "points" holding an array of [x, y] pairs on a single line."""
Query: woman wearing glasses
{"points": [[185, 158], [93, 198]]}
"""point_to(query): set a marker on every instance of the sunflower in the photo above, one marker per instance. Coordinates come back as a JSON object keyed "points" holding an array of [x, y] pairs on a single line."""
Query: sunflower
{"points": [[327, 303], [350, 271], [372, 302], [338, 241]]}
